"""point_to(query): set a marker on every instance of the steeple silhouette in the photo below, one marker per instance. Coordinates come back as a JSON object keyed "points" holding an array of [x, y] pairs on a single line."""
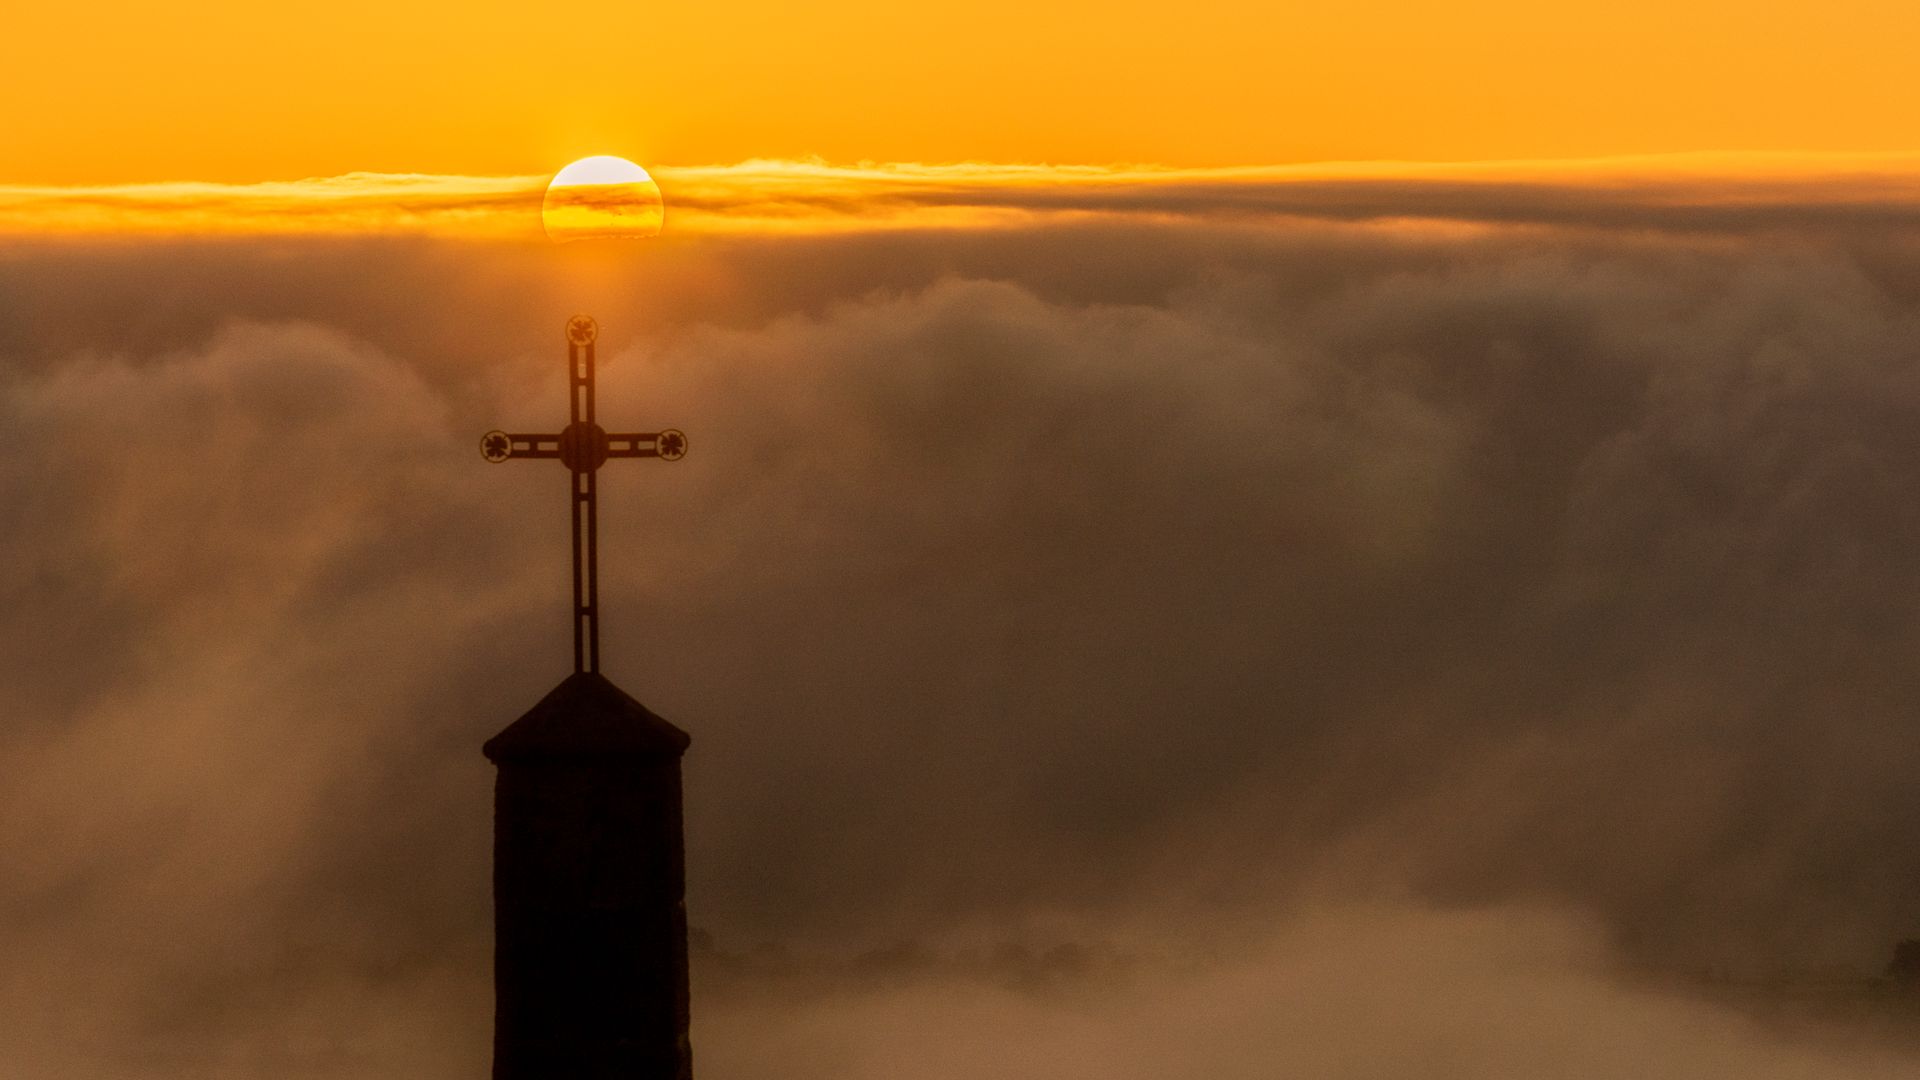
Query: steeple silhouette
{"points": [[590, 920], [589, 879]]}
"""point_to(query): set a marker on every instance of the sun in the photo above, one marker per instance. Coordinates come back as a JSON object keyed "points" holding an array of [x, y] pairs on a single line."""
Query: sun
{"points": [[602, 198]]}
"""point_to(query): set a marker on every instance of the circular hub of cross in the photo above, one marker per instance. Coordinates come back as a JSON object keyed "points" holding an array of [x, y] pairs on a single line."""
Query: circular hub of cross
{"points": [[583, 446]]}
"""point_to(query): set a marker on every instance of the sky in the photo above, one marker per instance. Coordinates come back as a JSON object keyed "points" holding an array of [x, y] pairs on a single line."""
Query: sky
{"points": [[221, 90], [1370, 541]]}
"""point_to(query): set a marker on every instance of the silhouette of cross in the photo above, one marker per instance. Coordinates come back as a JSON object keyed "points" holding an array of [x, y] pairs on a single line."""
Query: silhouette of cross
{"points": [[583, 447]]}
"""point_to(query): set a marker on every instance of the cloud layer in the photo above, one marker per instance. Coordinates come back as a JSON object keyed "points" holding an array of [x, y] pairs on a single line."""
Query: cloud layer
{"points": [[1253, 607]]}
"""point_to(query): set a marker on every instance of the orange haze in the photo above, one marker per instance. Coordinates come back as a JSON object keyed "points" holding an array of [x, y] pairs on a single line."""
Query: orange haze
{"points": [[120, 92]]}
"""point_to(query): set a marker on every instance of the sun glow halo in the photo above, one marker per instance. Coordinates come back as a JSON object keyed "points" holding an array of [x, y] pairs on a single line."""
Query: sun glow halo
{"points": [[602, 198]]}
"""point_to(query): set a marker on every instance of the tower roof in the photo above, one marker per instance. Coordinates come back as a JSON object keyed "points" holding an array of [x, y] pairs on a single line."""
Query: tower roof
{"points": [[586, 716]]}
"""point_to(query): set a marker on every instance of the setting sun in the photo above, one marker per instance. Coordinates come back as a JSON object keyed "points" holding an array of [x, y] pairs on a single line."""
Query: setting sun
{"points": [[602, 198]]}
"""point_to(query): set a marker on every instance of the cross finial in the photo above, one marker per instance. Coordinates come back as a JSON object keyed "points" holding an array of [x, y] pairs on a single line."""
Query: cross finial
{"points": [[583, 447]]}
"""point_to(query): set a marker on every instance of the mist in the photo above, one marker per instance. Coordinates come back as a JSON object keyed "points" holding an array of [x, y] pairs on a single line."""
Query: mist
{"points": [[1128, 647]]}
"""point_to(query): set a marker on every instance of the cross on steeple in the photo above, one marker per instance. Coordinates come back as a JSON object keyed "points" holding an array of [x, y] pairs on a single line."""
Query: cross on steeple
{"points": [[583, 447]]}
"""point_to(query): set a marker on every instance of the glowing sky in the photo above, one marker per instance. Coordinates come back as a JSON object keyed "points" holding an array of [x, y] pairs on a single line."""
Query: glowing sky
{"points": [[240, 92]]}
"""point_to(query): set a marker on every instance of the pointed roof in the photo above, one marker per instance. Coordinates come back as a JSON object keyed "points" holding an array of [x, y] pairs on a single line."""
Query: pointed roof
{"points": [[586, 716]]}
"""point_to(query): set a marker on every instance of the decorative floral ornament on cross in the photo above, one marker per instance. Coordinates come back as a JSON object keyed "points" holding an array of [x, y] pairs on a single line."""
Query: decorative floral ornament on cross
{"points": [[496, 446]]}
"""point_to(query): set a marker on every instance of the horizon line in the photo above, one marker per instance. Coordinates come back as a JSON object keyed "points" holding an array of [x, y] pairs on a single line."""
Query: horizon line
{"points": [[813, 195]]}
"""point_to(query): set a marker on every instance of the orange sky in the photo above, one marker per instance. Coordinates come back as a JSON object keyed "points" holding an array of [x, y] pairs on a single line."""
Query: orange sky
{"points": [[228, 91]]}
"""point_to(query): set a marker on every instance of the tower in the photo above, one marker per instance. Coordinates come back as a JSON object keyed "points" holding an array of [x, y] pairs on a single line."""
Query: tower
{"points": [[589, 884], [589, 879]]}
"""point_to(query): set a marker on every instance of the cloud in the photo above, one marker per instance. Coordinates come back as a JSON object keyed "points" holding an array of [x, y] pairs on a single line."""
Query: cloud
{"points": [[353, 204], [1270, 602], [1371, 992], [1711, 194]]}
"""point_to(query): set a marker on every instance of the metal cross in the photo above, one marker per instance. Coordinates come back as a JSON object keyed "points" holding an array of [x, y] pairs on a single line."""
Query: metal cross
{"points": [[583, 447]]}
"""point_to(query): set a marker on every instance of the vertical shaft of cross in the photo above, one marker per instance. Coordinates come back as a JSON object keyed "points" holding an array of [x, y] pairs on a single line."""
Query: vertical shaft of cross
{"points": [[586, 519], [593, 528]]}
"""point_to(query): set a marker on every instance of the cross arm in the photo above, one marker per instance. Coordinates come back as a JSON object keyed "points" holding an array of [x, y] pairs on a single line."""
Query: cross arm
{"points": [[498, 446], [670, 444]]}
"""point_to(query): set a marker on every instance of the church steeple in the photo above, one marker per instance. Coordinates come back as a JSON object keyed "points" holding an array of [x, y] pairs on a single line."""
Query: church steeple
{"points": [[589, 886], [589, 877]]}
